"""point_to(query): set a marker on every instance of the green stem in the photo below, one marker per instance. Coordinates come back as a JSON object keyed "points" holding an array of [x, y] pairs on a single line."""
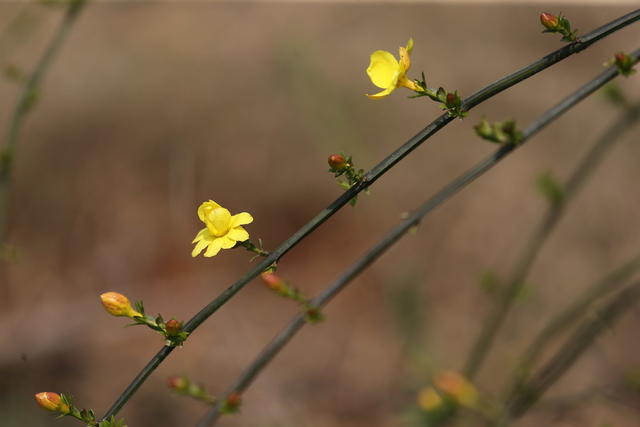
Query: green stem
{"points": [[516, 280], [7, 152], [372, 176], [270, 351]]}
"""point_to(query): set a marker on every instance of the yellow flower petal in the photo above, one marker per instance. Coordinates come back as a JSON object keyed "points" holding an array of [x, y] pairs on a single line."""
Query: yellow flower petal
{"points": [[382, 94], [205, 208], [201, 235], [199, 248], [218, 221], [384, 69], [213, 248], [238, 234], [226, 242], [242, 218]]}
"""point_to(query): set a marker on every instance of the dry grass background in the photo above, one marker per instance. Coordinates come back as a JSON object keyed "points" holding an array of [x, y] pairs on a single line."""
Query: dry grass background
{"points": [[152, 108]]}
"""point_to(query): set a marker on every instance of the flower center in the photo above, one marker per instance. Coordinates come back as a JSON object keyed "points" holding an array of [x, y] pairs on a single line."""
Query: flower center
{"points": [[218, 221]]}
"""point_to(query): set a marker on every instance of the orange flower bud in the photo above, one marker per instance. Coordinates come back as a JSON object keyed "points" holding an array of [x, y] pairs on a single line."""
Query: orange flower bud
{"points": [[549, 21], [429, 399], [117, 304], [52, 402], [273, 281], [173, 327], [337, 162], [458, 387], [177, 383]]}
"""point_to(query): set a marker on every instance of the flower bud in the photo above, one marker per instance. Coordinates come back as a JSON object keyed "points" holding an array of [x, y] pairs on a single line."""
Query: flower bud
{"points": [[177, 383], [232, 404], [337, 162], [117, 304], [174, 327], [52, 402], [458, 387], [273, 281], [453, 100], [429, 399], [549, 21]]}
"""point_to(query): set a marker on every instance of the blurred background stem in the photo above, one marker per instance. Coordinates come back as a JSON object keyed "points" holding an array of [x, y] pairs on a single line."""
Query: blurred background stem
{"points": [[571, 350], [516, 281], [608, 284], [26, 100]]}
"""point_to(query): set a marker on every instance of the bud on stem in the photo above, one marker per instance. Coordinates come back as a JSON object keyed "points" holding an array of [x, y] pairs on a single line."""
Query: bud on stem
{"points": [[337, 162], [52, 402], [549, 21], [117, 304]]}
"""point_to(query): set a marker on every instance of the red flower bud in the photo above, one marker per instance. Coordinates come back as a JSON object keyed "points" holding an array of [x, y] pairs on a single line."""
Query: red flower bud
{"points": [[549, 21], [174, 327], [337, 162], [233, 402], [52, 402], [273, 281], [177, 383]]}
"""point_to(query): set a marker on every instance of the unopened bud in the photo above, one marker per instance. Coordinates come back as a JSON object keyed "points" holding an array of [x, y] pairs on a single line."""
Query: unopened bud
{"points": [[117, 304], [174, 327], [52, 402], [232, 404], [337, 162], [549, 21], [458, 387], [451, 99], [273, 281], [177, 383], [429, 399]]}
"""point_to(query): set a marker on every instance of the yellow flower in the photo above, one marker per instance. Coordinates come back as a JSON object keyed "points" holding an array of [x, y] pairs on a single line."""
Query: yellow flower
{"points": [[117, 304], [222, 230], [388, 73], [52, 402]]}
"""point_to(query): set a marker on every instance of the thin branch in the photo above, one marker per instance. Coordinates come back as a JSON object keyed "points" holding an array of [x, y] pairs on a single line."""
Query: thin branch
{"points": [[572, 349], [247, 377], [569, 316], [369, 179], [516, 280], [25, 100]]}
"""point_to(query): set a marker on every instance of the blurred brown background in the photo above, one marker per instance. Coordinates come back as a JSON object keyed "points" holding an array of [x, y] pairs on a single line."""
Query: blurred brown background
{"points": [[151, 109]]}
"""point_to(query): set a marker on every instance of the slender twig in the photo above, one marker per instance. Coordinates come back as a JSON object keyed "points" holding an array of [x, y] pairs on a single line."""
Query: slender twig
{"points": [[7, 151], [571, 350], [570, 315], [516, 280], [373, 175], [247, 377]]}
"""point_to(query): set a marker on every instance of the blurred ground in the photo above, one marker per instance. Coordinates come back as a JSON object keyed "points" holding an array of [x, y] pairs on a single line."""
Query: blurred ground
{"points": [[152, 108]]}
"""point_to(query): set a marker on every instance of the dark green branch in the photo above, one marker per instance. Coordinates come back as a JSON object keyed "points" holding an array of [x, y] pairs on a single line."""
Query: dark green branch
{"points": [[376, 173], [247, 377]]}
